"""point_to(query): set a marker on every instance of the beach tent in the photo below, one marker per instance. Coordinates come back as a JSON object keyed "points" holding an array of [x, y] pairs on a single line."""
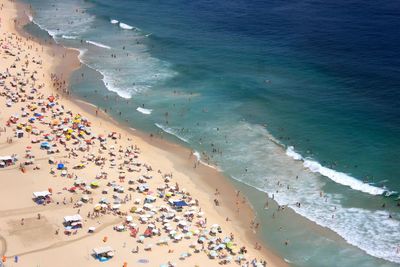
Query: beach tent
{"points": [[41, 194], [103, 253], [19, 134], [72, 218], [6, 161], [102, 250], [41, 197], [180, 204], [73, 222]]}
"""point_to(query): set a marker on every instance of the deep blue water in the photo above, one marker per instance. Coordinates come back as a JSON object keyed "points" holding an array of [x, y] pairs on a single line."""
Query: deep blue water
{"points": [[266, 83]]}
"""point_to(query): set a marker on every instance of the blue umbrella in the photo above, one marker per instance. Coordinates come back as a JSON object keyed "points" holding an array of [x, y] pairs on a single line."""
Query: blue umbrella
{"points": [[45, 145]]}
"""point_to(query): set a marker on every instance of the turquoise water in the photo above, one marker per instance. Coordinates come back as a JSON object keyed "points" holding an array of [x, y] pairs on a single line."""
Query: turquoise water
{"points": [[293, 99]]}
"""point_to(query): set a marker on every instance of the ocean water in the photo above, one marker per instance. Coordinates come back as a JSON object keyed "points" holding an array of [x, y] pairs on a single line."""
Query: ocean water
{"points": [[299, 101]]}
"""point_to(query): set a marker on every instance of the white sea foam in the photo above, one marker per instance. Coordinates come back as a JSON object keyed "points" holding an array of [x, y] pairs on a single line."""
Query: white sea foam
{"points": [[336, 176], [144, 110], [293, 154], [171, 131], [110, 84], [114, 21], [81, 51], [266, 163], [98, 44], [125, 26], [61, 19], [342, 178], [71, 37]]}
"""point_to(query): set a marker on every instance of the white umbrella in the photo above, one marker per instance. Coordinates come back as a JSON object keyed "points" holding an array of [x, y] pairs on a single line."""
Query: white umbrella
{"points": [[182, 223], [178, 237]]}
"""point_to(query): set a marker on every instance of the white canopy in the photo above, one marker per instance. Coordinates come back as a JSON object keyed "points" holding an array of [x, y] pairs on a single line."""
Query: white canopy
{"points": [[102, 250], [41, 194], [6, 158], [73, 218]]}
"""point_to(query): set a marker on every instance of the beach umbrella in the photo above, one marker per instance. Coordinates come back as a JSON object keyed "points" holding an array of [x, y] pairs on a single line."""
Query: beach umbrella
{"points": [[182, 223], [227, 240], [201, 239], [213, 253], [188, 235], [221, 246], [178, 237], [184, 255], [173, 232], [141, 238]]}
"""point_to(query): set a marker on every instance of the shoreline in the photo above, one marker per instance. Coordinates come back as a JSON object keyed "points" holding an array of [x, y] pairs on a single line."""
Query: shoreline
{"points": [[205, 178]]}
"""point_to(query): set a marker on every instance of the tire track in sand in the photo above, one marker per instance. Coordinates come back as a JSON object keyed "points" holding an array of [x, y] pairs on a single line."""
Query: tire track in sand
{"points": [[3, 243], [64, 243]]}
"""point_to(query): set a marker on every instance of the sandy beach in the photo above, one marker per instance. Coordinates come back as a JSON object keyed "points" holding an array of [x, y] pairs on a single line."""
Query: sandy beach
{"points": [[75, 183]]}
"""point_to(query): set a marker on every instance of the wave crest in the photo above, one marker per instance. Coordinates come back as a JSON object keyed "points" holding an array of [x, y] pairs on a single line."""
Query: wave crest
{"points": [[336, 176]]}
